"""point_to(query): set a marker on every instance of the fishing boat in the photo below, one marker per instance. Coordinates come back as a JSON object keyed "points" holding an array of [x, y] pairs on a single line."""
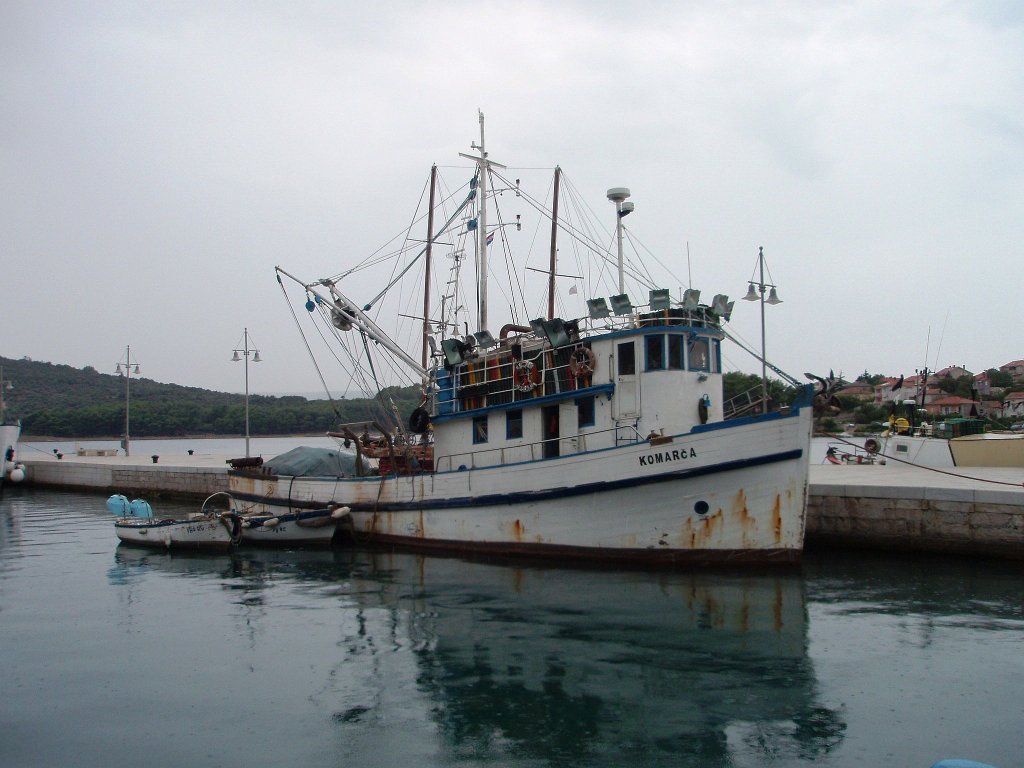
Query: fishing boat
{"points": [[10, 430], [293, 526], [208, 529], [595, 433]]}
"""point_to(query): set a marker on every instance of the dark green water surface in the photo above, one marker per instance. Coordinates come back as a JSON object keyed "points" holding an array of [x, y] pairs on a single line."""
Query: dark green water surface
{"points": [[113, 656]]}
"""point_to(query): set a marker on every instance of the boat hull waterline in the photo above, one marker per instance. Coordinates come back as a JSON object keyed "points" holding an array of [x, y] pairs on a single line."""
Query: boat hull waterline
{"points": [[729, 491], [308, 528], [208, 533]]}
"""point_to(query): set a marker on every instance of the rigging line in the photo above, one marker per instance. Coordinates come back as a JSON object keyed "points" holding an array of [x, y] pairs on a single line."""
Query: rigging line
{"points": [[316, 367], [357, 373], [603, 254], [409, 266], [540, 208], [934, 469], [792, 380], [942, 336], [376, 257]]}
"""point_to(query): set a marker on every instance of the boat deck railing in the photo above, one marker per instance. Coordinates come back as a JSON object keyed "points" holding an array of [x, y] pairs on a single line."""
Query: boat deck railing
{"points": [[541, 449], [503, 379]]}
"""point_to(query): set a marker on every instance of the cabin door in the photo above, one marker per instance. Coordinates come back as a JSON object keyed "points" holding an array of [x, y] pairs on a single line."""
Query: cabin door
{"points": [[549, 430], [627, 388]]}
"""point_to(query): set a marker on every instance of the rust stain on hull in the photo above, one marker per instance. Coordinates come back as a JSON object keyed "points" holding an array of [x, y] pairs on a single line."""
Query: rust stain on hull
{"points": [[777, 519]]}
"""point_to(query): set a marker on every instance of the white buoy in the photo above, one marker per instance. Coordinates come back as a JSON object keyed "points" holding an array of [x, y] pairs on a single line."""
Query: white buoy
{"points": [[17, 474], [340, 512], [271, 522]]}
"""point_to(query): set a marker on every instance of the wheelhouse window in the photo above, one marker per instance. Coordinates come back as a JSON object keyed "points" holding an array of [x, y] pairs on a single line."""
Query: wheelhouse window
{"points": [[654, 352], [676, 358], [626, 359], [585, 412], [513, 425], [700, 355], [479, 429]]}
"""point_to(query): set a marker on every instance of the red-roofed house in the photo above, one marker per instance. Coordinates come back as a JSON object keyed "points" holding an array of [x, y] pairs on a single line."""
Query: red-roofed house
{"points": [[951, 405], [953, 371], [1015, 369]]}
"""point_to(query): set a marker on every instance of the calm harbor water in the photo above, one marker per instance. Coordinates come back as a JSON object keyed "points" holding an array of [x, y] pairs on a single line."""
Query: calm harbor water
{"points": [[114, 656]]}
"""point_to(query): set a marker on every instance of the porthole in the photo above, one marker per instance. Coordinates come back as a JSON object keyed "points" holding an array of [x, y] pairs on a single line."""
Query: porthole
{"points": [[701, 507]]}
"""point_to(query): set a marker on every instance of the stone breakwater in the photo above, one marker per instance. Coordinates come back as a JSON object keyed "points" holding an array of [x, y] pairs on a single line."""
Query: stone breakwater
{"points": [[978, 512], [974, 510]]}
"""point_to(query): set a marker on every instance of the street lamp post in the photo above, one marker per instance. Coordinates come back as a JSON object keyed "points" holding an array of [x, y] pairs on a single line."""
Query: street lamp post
{"points": [[129, 369], [756, 293], [245, 351]]}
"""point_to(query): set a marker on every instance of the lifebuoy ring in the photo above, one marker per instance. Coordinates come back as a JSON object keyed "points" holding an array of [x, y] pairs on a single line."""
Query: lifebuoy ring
{"points": [[582, 361], [871, 445], [525, 377], [419, 420]]}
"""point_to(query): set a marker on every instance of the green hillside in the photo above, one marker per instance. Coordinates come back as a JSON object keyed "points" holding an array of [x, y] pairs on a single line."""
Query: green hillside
{"points": [[61, 401]]}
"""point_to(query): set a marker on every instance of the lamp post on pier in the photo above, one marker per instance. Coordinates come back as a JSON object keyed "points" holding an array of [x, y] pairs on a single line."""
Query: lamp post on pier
{"points": [[245, 351], [129, 369], [756, 293]]}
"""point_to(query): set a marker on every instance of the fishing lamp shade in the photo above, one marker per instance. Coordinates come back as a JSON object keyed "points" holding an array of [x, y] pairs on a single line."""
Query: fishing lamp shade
{"points": [[660, 299], [621, 305], [597, 308]]}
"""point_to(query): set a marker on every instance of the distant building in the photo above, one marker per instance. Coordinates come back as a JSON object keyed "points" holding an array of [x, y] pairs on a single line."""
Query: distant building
{"points": [[1015, 369], [859, 390], [952, 405], [952, 371], [991, 408], [1013, 405], [982, 385]]}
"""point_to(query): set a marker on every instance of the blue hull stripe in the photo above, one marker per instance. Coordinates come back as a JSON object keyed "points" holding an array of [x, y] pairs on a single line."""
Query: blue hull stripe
{"points": [[505, 499]]}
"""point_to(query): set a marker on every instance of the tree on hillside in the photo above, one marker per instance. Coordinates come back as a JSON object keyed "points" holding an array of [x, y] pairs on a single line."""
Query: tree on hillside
{"points": [[874, 379], [999, 378]]}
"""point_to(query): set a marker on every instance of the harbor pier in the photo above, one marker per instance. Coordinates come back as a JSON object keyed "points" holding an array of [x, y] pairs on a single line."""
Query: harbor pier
{"points": [[971, 511]]}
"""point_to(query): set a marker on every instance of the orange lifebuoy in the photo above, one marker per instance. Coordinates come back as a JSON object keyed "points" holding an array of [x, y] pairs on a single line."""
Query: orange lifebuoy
{"points": [[582, 361]]}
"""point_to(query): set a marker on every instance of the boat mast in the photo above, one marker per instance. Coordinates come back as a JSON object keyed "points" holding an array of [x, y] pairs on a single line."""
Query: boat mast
{"points": [[426, 269], [619, 196], [483, 166], [554, 245]]}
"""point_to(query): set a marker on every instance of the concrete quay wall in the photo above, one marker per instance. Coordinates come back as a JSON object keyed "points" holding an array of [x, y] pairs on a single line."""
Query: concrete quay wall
{"points": [[198, 478], [979, 511]]}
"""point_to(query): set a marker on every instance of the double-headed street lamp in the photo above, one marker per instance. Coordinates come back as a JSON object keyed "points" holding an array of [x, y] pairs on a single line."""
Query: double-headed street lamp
{"points": [[245, 351], [129, 369], [756, 293]]}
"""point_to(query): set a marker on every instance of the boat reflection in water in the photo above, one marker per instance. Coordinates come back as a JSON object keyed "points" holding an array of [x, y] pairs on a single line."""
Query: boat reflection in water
{"points": [[488, 662], [610, 667]]}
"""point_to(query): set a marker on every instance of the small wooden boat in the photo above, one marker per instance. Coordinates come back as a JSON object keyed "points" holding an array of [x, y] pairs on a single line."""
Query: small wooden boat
{"points": [[298, 527], [207, 529]]}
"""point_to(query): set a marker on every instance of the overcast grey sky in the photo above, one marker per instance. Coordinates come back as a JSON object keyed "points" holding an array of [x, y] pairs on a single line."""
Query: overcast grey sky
{"points": [[160, 158]]}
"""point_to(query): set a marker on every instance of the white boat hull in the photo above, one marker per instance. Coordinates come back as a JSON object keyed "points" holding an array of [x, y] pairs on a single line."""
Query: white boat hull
{"points": [[10, 470], [728, 491], [207, 533], [308, 528]]}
